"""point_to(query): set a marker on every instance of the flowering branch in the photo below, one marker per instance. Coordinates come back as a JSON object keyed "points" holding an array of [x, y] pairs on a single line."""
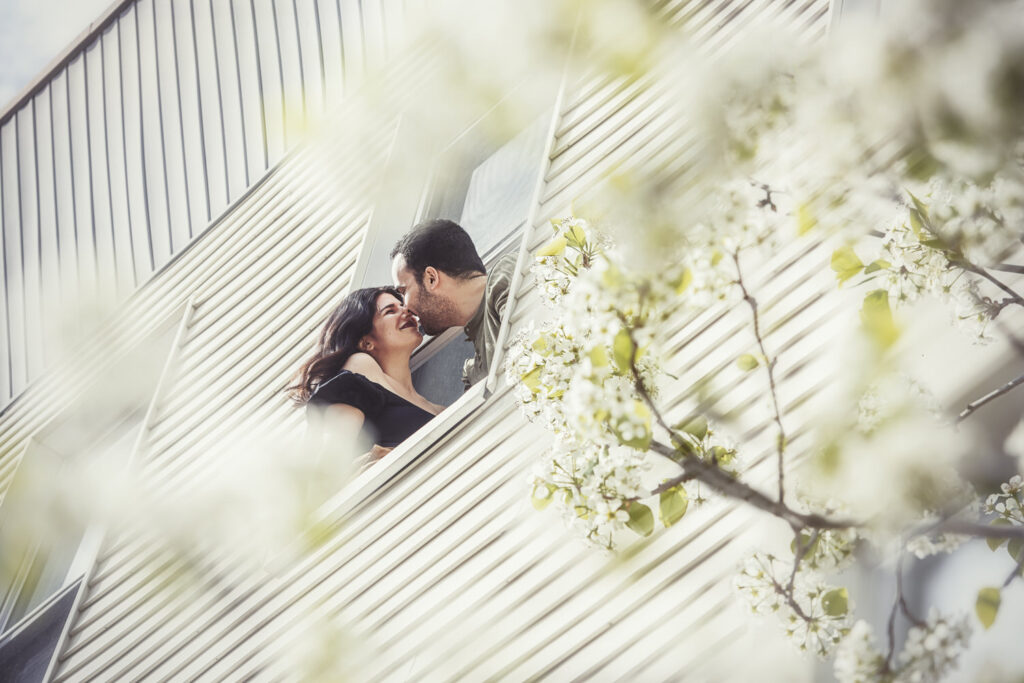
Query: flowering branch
{"points": [[899, 604], [1017, 570], [1012, 296], [801, 552], [780, 442], [990, 396], [957, 526], [716, 478]]}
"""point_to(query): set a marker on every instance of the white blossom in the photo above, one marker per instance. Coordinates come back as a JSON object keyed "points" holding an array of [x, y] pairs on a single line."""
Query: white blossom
{"points": [[763, 581], [1008, 503], [932, 650], [857, 657]]}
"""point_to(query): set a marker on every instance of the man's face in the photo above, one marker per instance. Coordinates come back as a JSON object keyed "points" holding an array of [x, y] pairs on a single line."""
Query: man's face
{"points": [[427, 301]]}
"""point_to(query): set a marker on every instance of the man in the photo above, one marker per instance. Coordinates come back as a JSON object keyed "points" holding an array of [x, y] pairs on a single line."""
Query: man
{"points": [[445, 284]]}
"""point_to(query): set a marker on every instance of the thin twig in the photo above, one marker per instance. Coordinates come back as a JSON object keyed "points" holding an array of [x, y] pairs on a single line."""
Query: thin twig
{"points": [[899, 605], [790, 598], [712, 475], [780, 442], [801, 552], [957, 258], [956, 526], [994, 394], [1013, 297], [1016, 570]]}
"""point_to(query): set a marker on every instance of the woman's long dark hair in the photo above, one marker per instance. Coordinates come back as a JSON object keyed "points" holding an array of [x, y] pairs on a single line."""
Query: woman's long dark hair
{"points": [[348, 323]]}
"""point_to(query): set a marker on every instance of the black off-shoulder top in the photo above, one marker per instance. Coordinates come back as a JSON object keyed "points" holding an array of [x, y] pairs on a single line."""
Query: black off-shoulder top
{"points": [[390, 419]]}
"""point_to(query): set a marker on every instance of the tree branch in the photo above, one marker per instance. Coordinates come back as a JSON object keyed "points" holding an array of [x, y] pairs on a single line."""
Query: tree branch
{"points": [[956, 526], [780, 442], [899, 605], [994, 394], [1012, 296], [801, 551], [695, 468], [1016, 570]]}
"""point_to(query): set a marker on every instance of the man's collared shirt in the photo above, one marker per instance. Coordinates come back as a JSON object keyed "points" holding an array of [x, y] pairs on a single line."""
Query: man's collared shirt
{"points": [[484, 326]]}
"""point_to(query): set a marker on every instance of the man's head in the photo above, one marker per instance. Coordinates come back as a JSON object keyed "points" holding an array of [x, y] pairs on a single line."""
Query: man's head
{"points": [[429, 265]]}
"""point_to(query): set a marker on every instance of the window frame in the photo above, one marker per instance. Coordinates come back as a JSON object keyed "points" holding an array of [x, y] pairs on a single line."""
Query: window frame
{"points": [[365, 485], [84, 560]]}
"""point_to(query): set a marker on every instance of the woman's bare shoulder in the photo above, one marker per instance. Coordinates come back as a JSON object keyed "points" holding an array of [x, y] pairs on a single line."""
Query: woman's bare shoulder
{"points": [[365, 365]]}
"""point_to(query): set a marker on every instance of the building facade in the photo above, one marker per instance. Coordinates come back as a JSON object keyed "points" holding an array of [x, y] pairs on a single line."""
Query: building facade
{"points": [[159, 166]]}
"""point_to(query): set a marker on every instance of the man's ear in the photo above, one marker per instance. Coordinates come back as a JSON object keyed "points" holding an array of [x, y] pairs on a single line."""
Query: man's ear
{"points": [[431, 277]]}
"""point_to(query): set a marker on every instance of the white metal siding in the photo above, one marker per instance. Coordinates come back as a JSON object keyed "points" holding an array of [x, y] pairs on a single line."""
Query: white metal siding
{"points": [[146, 131], [445, 573]]}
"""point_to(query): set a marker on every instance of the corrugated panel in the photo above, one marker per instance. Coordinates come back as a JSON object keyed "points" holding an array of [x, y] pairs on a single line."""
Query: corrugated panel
{"points": [[141, 135], [280, 275], [443, 571], [289, 250]]}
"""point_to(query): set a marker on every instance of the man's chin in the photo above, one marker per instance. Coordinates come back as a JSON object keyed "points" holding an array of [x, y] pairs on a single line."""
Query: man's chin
{"points": [[432, 331]]}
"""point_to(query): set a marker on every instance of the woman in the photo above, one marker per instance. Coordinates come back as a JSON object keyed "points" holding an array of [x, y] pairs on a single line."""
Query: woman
{"points": [[360, 376]]}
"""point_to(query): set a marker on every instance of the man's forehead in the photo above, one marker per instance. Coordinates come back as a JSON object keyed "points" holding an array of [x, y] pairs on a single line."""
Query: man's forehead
{"points": [[398, 270]]}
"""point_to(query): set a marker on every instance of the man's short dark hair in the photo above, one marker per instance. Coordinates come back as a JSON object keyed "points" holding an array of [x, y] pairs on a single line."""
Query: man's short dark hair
{"points": [[442, 244]]}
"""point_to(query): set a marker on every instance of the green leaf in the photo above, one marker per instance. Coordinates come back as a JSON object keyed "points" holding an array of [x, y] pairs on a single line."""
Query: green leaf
{"points": [[994, 543], [598, 357], [553, 248], [641, 519], [672, 505], [876, 317], [540, 345], [532, 379], [747, 362], [542, 495], [846, 263], [879, 264], [612, 277], [683, 445], [623, 350], [698, 427], [987, 606], [921, 165], [835, 602], [1014, 547], [577, 236], [683, 281], [916, 224], [922, 210], [805, 538], [805, 220], [722, 455], [937, 244]]}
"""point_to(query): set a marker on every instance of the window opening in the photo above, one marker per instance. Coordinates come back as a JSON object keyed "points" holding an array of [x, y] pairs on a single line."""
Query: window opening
{"points": [[487, 189]]}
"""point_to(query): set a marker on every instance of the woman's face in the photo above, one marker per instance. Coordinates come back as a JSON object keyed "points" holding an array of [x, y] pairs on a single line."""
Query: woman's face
{"points": [[394, 327]]}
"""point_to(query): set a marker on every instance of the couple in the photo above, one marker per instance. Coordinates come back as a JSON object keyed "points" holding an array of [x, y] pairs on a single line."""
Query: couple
{"points": [[360, 377]]}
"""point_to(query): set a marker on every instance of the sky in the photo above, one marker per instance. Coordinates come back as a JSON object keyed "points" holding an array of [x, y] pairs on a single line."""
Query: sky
{"points": [[33, 33]]}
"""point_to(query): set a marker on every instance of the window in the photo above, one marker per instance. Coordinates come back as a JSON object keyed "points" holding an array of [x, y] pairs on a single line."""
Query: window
{"points": [[41, 560], [46, 547], [488, 193], [25, 652], [486, 186]]}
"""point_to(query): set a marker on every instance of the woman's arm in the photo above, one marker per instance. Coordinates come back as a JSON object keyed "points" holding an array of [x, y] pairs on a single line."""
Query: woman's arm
{"points": [[342, 421]]}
